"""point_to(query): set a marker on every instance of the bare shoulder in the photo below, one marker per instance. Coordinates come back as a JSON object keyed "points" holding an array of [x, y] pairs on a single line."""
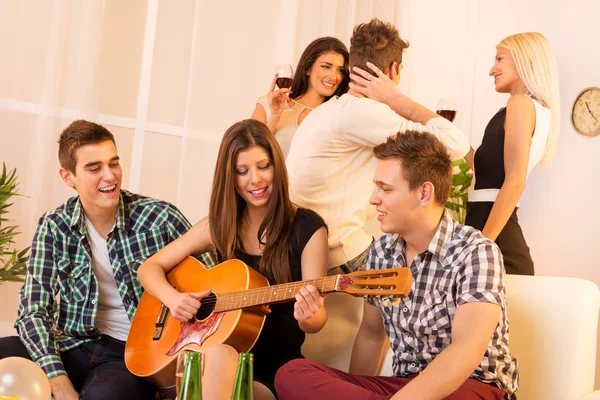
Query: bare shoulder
{"points": [[202, 225], [259, 113], [520, 104]]}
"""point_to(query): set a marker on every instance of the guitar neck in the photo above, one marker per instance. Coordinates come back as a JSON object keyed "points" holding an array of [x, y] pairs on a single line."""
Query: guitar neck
{"points": [[271, 294]]}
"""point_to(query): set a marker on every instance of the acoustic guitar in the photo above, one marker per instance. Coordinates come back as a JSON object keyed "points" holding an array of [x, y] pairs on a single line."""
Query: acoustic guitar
{"points": [[233, 313]]}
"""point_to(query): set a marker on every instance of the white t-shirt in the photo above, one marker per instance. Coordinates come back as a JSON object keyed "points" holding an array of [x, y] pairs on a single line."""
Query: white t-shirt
{"points": [[331, 165], [111, 317]]}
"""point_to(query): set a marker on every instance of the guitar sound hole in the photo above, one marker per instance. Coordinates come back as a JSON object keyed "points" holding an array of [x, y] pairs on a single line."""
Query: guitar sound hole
{"points": [[207, 305]]}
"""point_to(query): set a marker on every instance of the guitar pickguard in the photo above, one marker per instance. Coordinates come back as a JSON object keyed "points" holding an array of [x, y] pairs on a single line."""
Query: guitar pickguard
{"points": [[196, 332]]}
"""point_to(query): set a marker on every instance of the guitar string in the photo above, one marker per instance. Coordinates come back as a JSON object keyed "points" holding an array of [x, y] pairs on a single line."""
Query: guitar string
{"points": [[230, 301], [267, 290], [234, 300], [226, 299]]}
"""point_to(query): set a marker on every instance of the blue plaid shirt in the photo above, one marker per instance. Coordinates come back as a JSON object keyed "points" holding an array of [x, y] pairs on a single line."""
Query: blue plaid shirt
{"points": [[459, 266], [59, 299]]}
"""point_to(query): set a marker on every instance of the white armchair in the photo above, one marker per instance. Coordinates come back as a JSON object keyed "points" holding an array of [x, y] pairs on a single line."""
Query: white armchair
{"points": [[553, 335]]}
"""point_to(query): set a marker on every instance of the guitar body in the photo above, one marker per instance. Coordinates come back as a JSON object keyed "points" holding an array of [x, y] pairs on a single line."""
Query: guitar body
{"points": [[152, 356]]}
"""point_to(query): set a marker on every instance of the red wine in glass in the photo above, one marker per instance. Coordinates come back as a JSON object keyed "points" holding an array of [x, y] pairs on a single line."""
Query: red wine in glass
{"points": [[284, 83], [285, 77], [447, 109], [448, 114]]}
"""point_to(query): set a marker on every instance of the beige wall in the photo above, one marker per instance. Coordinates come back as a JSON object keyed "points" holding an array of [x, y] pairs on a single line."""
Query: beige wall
{"points": [[168, 77]]}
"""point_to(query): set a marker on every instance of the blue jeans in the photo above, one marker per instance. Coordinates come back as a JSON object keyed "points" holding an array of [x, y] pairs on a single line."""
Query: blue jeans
{"points": [[96, 369]]}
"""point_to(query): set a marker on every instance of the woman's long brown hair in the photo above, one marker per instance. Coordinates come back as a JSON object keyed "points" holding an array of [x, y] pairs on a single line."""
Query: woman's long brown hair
{"points": [[226, 205]]}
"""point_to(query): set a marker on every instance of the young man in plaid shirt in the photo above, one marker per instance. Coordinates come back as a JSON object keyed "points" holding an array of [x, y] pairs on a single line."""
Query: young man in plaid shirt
{"points": [[450, 335], [81, 288]]}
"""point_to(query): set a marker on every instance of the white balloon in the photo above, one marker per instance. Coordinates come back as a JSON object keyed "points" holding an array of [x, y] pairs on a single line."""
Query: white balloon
{"points": [[22, 379]]}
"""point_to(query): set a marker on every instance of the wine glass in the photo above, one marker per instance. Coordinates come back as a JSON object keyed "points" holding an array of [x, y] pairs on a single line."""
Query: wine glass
{"points": [[180, 368], [447, 109], [285, 77]]}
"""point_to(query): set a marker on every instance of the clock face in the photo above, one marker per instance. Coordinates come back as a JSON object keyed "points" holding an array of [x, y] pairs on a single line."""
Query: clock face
{"points": [[586, 112]]}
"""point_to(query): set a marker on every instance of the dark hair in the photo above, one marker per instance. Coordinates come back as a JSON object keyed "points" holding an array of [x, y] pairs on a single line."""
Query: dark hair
{"points": [[424, 159], [226, 205], [79, 133], [307, 59], [377, 42]]}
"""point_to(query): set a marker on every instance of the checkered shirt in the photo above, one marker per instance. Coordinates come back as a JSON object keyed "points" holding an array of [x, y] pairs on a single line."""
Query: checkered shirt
{"points": [[59, 299], [459, 266]]}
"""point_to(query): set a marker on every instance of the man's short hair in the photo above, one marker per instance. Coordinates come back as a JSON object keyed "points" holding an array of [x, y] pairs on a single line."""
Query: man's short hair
{"points": [[378, 42], [424, 159], [79, 133]]}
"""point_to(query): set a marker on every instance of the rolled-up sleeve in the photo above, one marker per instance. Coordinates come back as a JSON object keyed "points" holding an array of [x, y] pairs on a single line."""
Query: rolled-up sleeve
{"points": [[455, 141], [482, 279]]}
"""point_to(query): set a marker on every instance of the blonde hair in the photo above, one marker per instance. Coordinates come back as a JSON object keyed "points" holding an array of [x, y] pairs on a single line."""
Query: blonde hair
{"points": [[534, 60]]}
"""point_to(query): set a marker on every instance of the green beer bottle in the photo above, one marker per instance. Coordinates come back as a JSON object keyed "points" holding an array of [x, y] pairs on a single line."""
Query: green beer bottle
{"points": [[244, 378], [191, 383]]}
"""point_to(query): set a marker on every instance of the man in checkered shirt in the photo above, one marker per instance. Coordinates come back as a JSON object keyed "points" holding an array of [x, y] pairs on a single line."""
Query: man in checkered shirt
{"points": [[81, 288], [450, 335]]}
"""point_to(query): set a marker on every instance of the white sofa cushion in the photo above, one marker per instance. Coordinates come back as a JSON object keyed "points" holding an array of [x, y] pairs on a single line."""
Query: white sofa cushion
{"points": [[553, 334]]}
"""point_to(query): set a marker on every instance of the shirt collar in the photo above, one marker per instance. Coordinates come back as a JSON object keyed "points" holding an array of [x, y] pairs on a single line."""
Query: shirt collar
{"points": [[122, 221], [78, 222], [438, 244], [442, 237]]}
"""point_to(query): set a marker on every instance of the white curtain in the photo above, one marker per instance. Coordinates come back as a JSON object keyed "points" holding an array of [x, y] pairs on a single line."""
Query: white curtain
{"points": [[167, 78]]}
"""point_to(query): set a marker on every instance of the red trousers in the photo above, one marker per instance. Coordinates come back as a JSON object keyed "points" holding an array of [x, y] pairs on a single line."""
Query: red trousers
{"points": [[302, 379]]}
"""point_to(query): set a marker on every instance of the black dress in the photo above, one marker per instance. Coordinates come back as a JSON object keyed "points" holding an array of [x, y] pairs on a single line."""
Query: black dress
{"points": [[281, 338], [489, 174]]}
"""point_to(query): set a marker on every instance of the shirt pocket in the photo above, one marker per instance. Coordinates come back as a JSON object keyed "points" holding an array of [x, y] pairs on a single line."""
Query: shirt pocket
{"points": [[436, 313], [74, 281], [145, 243]]}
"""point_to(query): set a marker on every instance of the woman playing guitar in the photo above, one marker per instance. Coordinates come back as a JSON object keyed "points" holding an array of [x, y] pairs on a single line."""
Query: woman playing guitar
{"points": [[251, 218]]}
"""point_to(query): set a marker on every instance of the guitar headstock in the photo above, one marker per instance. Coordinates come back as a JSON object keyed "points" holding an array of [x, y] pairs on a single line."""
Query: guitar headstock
{"points": [[385, 283]]}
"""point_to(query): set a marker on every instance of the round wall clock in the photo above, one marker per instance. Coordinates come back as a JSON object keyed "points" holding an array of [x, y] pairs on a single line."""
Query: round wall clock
{"points": [[585, 114]]}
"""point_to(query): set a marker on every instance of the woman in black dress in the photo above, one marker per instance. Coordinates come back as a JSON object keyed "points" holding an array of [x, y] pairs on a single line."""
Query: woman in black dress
{"points": [[519, 137], [251, 218]]}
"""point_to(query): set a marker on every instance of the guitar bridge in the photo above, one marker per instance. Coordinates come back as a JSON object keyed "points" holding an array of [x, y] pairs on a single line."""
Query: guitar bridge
{"points": [[160, 323]]}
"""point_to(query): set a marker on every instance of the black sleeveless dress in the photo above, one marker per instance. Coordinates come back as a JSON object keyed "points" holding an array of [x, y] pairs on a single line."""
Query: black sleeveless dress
{"points": [[489, 174], [281, 338]]}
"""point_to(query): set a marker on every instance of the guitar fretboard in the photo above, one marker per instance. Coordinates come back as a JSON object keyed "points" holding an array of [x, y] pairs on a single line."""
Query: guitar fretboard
{"points": [[270, 294]]}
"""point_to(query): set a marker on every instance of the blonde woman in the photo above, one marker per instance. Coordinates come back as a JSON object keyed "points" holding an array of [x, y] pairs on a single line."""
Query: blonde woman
{"points": [[519, 137]]}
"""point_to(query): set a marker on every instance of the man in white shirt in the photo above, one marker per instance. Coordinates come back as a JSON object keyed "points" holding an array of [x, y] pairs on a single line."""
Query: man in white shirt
{"points": [[331, 162]]}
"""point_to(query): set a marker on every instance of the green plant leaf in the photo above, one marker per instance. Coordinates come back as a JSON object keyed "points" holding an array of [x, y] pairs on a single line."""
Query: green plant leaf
{"points": [[13, 263], [461, 182]]}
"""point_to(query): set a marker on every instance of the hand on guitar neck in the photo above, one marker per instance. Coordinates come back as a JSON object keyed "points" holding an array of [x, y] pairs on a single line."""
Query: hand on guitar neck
{"points": [[308, 309], [184, 306]]}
